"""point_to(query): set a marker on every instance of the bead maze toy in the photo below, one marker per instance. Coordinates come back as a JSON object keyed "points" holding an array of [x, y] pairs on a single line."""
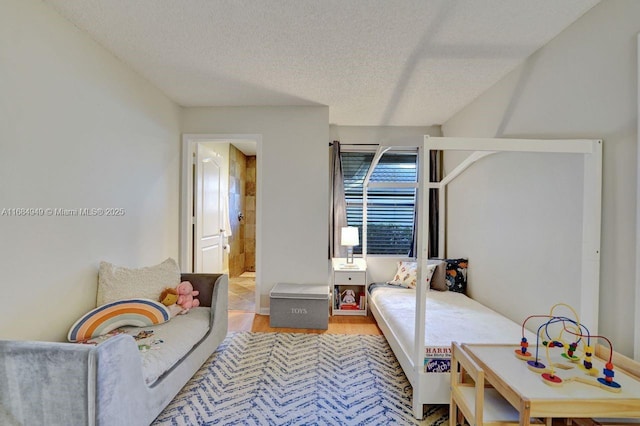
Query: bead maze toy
{"points": [[581, 342]]}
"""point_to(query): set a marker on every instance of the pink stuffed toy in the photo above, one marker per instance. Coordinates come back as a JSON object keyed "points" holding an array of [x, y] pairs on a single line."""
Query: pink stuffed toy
{"points": [[186, 296]]}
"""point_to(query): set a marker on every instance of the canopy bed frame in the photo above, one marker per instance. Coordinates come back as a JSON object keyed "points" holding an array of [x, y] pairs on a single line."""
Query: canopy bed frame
{"points": [[433, 387]]}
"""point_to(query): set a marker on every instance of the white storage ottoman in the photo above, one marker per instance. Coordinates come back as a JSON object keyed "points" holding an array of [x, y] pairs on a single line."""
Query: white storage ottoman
{"points": [[299, 306]]}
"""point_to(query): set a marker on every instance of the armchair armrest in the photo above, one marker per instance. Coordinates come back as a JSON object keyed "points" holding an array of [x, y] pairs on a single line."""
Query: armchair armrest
{"points": [[214, 293], [67, 383], [205, 284]]}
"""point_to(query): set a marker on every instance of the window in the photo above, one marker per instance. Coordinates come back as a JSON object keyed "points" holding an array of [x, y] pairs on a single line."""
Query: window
{"points": [[391, 200]]}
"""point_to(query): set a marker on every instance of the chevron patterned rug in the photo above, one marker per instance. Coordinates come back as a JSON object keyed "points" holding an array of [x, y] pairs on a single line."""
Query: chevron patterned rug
{"points": [[299, 379]]}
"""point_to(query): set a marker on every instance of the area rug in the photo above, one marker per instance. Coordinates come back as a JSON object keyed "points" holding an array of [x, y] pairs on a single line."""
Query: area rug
{"points": [[299, 379]]}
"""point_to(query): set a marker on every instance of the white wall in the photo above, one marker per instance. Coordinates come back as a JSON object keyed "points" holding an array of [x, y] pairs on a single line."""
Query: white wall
{"points": [[518, 218], [78, 129], [293, 187], [581, 85], [397, 135]]}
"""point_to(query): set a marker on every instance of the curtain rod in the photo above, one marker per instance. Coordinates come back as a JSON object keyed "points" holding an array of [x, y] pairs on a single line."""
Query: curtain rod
{"points": [[363, 144]]}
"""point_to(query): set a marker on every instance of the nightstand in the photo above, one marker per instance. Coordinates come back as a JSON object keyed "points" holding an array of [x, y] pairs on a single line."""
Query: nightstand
{"points": [[349, 287]]}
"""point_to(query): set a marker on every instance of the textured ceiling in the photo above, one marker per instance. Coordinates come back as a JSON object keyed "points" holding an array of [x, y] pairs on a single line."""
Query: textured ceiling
{"points": [[373, 62]]}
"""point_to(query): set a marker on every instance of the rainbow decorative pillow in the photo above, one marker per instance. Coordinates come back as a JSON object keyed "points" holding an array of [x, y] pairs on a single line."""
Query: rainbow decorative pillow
{"points": [[105, 318]]}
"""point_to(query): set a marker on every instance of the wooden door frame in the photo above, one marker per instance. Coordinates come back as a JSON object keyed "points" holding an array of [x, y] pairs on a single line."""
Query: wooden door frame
{"points": [[189, 143], [636, 336]]}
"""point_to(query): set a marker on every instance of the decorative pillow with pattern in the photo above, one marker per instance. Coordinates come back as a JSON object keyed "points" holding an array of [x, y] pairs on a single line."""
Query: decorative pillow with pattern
{"points": [[406, 276], [429, 273], [457, 274], [108, 317]]}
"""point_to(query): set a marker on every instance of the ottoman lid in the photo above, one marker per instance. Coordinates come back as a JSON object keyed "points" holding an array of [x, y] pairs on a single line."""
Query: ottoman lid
{"points": [[300, 291]]}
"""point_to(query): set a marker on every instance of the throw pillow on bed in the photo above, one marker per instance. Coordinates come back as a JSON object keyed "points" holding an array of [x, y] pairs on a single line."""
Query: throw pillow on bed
{"points": [[118, 283], [457, 274], [439, 278], [407, 274]]}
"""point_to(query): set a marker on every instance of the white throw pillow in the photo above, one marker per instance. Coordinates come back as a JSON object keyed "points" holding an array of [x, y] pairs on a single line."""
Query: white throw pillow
{"points": [[430, 270], [407, 274], [118, 283]]}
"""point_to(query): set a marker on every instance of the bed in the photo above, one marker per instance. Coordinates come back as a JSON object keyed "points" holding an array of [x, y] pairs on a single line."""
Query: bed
{"points": [[412, 336], [456, 317]]}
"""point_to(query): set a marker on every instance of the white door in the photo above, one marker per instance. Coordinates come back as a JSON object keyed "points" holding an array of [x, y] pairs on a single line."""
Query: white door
{"points": [[208, 238]]}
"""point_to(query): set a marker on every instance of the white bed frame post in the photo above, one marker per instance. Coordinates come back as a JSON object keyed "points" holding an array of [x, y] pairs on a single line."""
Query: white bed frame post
{"points": [[422, 249], [591, 229]]}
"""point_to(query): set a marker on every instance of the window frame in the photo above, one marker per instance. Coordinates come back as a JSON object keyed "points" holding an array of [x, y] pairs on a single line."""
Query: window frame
{"points": [[378, 152]]}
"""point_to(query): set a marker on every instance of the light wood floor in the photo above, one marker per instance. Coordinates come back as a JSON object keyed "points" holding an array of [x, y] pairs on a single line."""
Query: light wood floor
{"points": [[242, 292], [248, 321]]}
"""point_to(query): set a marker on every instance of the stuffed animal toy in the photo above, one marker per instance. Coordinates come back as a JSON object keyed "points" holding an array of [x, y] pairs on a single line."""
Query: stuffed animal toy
{"points": [[186, 296], [169, 298], [348, 296]]}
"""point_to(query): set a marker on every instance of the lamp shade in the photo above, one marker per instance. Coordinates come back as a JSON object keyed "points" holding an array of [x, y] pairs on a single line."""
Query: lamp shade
{"points": [[349, 236]]}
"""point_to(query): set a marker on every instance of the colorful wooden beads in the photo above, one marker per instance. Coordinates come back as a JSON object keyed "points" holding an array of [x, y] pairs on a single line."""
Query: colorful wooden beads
{"points": [[570, 352], [608, 372], [522, 353], [607, 382], [588, 353]]}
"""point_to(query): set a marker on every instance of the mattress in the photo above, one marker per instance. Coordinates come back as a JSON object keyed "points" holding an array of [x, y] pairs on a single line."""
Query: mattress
{"points": [[450, 317]]}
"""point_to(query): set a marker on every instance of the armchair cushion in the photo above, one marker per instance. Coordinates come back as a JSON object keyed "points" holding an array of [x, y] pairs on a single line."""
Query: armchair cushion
{"points": [[163, 345]]}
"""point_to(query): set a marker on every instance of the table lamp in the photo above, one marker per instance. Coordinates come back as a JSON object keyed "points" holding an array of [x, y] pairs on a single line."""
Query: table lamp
{"points": [[349, 238]]}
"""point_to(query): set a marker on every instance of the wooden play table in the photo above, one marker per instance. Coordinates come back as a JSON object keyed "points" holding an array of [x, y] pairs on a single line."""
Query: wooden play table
{"points": [[527, 393]]}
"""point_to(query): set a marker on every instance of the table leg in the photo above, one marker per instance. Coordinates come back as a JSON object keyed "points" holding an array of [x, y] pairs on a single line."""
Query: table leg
{"points": [[452, 413], [525, 413]]}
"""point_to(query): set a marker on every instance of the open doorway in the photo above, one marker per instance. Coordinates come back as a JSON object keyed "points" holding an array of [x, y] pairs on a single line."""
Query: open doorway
{"points": [[242, 212], [230, 199]]}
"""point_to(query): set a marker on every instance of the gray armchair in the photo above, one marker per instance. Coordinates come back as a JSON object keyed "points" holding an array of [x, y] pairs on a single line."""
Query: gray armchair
{"points": [[49, 383]]}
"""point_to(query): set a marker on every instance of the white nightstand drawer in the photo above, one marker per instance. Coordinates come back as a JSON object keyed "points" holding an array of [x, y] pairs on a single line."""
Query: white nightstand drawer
{"points": [[349, 277]]}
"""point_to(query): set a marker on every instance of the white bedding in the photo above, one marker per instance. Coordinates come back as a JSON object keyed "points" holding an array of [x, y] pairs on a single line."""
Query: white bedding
{"points": [[449, 317]]}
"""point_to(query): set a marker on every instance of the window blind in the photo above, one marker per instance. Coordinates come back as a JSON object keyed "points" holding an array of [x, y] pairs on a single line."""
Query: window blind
{"points": [[390, 210]]}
